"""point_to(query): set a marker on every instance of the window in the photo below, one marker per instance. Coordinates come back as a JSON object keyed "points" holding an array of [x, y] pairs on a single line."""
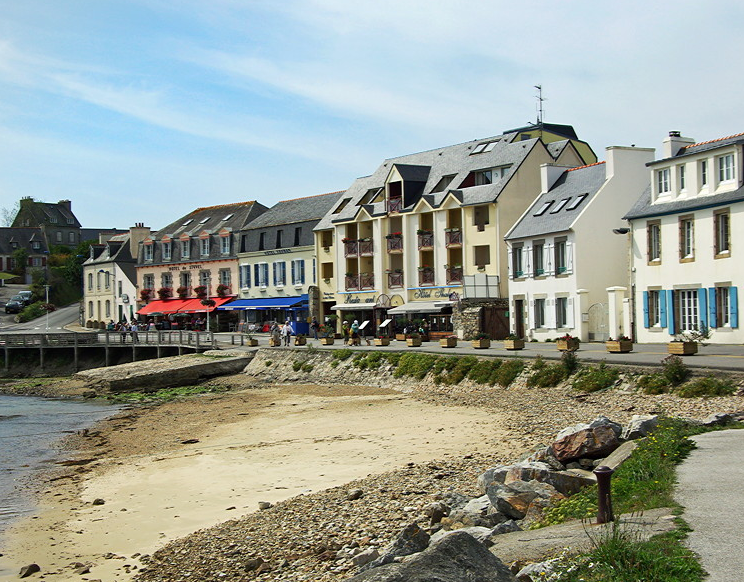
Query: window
{"points": [[576, 201], [98, 281], [484, 147], [90, 309], [341, 205], [205, 220], [71, 237], [70, 221], [59, 236], [543, 208], [36, 245], [538, 258], [108, 308], [297, 235], [561, 266], [107, 280], [148, 282], [261, 274], [280, 274], [561, 312], [185, 280], [326, 270], [371, 196], [185, 249], [53, 219], [539, 313], [261, 241], [688, 309], [653, 236], [726, 168], [298, 272], [204, 247], [245, 276], [662, 181], [167, 249], [148, 252], [483, 177], [225, 278], [444, 181], [654, 308], [723, 307], [228, 217], [559, 206], [167, 280], [482, 255], [681, 177], [278, 239], [722, 234], [205, 278], [686, 239], [481, 217], [189, 221], [517, 268], [118, 288], [704, 173], [225, 245], [90, 281]]}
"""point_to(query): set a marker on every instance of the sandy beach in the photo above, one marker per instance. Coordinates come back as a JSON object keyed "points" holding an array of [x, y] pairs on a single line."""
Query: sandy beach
{"points": [[254, 445]]}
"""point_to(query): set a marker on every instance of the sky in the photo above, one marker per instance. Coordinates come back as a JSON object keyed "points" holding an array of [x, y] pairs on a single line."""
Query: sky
{"points": [[143, 110]]}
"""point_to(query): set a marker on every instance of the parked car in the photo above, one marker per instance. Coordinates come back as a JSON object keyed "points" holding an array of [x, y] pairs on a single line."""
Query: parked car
{"points": [[27, 297], [14, 305]]}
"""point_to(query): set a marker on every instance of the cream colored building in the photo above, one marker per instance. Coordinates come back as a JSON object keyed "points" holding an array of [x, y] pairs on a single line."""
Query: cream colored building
{"points": [[425, 231]]}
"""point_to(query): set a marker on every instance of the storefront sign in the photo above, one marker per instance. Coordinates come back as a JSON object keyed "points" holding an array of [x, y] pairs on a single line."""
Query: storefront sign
{"points": [[360, 299], [278, 252], [329, 296], [431, 293], [186, 267]]}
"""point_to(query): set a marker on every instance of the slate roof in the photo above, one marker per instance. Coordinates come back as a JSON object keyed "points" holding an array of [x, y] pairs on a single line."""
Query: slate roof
{"points": [[704, 146], [115, 250], [24, 237], [570, 185], [457, 160], [296, 210], [644, 209], [46, 213]]}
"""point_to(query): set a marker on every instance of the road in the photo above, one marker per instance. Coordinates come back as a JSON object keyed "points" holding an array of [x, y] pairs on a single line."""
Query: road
{"points": [[57, 319]]}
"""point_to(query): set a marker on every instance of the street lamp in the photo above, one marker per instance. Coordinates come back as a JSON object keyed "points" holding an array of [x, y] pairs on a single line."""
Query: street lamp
{"points": [[46, 287], [209, 284]]}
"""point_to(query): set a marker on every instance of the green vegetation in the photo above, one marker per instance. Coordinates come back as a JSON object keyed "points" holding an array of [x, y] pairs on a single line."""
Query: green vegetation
{"points": [[268, 363], [707, 387], [369, 360], [296, 365], [595, 378], [165, 394], [507, 372], [673, 375], [307, 368], [343, 353], [415, 365], [545, 375], [31, 312], [484, 371]]}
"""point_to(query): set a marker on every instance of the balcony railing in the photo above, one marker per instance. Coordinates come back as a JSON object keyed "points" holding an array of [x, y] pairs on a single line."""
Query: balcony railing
{"points": [[454, 275], [366, 248], [395, 244], [453, 238], [426, 278], [351, 248], [426, 241], [395, 280], [395, 204], [352, 282], [367, 281]]}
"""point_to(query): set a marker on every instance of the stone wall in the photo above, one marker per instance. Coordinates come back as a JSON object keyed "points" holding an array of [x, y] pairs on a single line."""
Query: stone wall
{"points": [[466, 315]]}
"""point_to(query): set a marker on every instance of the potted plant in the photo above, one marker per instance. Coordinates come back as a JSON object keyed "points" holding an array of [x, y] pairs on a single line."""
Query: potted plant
{"points": [[686, 343], [300, 339], [382, 340], [413, 340], [182, 292], [200, 291], [448, 342], [622, 345], [481, 341], [422, 231], [567, 343], [222, 290], [325, 335], [145, 294], [512, 342], [251, 341]]}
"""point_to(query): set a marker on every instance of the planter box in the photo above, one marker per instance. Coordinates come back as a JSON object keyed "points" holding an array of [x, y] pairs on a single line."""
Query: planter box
{"points": [[516, 344], [251, 342], [682, 348], [274, 344], [382, 341], [326, 341], [567, 345], [300, 341], [401, 337], [413, 342], [448, 342], [481, 344], [619, 347]]}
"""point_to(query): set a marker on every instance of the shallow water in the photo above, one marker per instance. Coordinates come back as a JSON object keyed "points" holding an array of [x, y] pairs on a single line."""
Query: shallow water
{"points": [[29, 429]]}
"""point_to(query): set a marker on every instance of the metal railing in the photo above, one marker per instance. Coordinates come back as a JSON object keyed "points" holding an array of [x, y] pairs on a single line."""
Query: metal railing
{"points": [[395, 244], [453, 238], [181, 338]]}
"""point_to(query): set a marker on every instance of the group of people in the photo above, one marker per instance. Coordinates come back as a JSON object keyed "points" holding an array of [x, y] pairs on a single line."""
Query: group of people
{"points": [[351, 333], [281, 335]]}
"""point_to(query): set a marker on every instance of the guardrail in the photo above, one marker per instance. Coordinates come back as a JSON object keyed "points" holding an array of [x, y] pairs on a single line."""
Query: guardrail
{"points": [[180, 338]]}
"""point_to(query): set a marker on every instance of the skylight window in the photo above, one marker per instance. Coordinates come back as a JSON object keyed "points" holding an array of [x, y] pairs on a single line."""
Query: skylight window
{"points": [[228, 217], [484, 147], [341, 205], [560, 205], [369, 196], [490, 146], [204, 220], [189, 221], [543, 208], [579, 199], [444, 181]]}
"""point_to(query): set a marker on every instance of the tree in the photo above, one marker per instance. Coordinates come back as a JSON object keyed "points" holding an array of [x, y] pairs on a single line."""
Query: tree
{"points": [[20, 260], [7, 215]]}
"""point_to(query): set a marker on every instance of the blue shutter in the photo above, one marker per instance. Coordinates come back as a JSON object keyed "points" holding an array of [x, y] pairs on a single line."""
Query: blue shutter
{"points": [[294, 272], [302, 271], [645, 309], [247, 276], [662, 309], [734, 306], [257, 274], [712, 308], [670, 311], [703, 307]]}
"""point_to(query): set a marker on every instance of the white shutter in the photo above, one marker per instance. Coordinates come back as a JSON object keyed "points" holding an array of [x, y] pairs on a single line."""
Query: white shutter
{"points": [[549, 260], [550, 313], [569, 258], [526, 262], [570, 323]]}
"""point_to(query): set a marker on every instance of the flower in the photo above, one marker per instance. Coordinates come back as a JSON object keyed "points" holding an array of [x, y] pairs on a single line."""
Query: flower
{"points": [[566, 337]]}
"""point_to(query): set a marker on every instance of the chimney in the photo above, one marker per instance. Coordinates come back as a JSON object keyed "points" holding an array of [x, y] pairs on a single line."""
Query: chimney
{"points": [[137, 234], [66, 204], [549, 173], [673, 143]]}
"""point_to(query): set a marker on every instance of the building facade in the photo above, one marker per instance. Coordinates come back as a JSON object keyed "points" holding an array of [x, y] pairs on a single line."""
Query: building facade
{"points": [[25, 242], [685, 240]]}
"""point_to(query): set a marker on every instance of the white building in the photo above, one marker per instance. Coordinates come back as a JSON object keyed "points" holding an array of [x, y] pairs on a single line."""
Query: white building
{"points": [[685, 239], [567, 269]]}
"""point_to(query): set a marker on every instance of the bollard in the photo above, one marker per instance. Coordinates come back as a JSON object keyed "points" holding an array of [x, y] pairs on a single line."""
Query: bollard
{"points": [[604, 477]]}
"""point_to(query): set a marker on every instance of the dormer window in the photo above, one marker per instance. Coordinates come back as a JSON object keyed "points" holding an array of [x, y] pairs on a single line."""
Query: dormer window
{"points": [[148, 252], [53, 219], [443, 183], [167, 251], [185, 249], [189, 221], [341, 205], [70, 221], [225, 245], [228, 217], [36, 245], [726, 168], [204, 247], [663, 184]]}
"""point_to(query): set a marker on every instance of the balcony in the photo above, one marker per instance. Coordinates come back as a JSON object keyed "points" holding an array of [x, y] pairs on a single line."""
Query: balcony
{"points": [[367, 281], [454, 275], [394, 244], [395, 204], [426, 277], [351, 248], [366, 247], [352, 282], [425, 240], [395, 279], [453, 238]]}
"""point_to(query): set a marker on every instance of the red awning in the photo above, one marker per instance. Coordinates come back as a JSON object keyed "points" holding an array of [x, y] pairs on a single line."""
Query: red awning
{"points": [[195, 305], [163, 306]]}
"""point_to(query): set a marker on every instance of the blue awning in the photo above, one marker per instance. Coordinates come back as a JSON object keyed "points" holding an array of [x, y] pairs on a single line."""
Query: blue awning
{"points": [[267, 303]]}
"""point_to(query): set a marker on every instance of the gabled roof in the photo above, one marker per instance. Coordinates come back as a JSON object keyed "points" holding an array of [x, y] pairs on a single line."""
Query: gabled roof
{"points": [[297, 210], [704, 146], [23, 238], [45, 214], [644, 209], [548, 214], [213, 218]]}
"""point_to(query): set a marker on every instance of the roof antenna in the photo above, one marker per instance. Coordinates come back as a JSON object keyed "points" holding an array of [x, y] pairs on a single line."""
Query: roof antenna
{"points": [[540, 111]]}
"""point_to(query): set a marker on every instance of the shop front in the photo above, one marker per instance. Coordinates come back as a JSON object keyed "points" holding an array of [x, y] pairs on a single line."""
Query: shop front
{"points": [[261, 313]]}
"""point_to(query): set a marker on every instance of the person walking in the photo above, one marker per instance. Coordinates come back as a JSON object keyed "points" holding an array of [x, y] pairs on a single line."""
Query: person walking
{"points": [[314, 325], [355, 333], [345, 332], [275, 337], [287, 332]]}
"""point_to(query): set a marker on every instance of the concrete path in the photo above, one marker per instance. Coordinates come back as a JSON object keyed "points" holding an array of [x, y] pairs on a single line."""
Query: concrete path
{"points": [[711, 488]]}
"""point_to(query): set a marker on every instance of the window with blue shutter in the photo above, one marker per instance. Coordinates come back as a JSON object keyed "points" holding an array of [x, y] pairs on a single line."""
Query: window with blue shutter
{"points": [[662, 309], [734, 302], [670, 311], [257, 274], [712, 308], [645, 309], [703, 307]]}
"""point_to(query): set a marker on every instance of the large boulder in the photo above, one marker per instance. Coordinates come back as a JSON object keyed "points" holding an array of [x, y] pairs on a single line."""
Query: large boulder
{"points": [[457, 557], [547, 456], [514, 499], [640, 425], [599, 421], [411, 540], [591, 443], [566, 482], [494, 475]]}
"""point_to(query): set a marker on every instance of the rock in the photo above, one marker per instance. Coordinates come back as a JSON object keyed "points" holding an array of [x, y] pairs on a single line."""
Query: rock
{"points": [[478, 505], [493, 475], [620, 455], [436, 511], [640, 426], [478, 532], [28, 570], [718, 419], [264, 505], [189, 441], [365, 556], [536, 572], [514, 499], [547, 456], [597, 422], [566, 482], [410, 541], [82, 570], [455, 500], [460, 518], [456, 557], [98, 501], [354, 494], [506, 527], [253, 564], [592, 443]]}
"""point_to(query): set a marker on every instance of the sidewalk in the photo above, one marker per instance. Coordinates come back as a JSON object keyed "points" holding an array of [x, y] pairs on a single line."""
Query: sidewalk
{"points": [[710, 488]]}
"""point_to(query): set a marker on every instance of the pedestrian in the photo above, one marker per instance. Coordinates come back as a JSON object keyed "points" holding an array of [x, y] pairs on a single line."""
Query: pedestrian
{"points": [[355, 333], [275, 338], [345, 331], [314, 326], [287, 332]]}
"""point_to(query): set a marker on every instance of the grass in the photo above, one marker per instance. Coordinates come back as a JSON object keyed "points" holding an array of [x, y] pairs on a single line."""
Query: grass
{"points": [[165, 394], [707, 387], [595, 378]]}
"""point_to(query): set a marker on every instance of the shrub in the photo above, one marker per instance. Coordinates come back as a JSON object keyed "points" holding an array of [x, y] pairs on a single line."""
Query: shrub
{"points": [[268, 363], [416, 365], [653, 384], [570, 362], [507, 372], [596, 378], [307, 368], [31, 312], [296, 365], [707, 387], [334, 363], [483, 370], [393, 357], [547, 375], [461, 370], [674, 370], [343, 353]]}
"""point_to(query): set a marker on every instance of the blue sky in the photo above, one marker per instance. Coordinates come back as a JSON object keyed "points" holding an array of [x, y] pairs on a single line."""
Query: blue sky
{"points": [[142, 110]]}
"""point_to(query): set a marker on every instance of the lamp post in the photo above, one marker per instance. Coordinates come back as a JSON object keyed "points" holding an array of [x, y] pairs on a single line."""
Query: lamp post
{"points": [[209, 284], [46, 287]]}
